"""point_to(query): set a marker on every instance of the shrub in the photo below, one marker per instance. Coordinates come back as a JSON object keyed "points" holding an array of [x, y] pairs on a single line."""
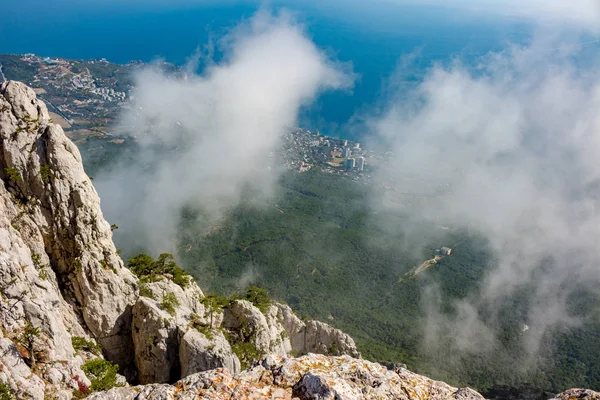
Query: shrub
{"points": [[150, 270], [169, 303], [213, 304], [247, 353], [13, 174], [334, 350], [6, 393], [36, 258], [102, 374], [27, 340], [43, 274], [259, 297], [46, 173], [81, 343], [201, 327], [145, 291]]}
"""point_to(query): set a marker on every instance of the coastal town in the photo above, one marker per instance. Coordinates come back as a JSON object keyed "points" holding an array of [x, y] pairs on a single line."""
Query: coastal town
{"points": [[86, 96]]}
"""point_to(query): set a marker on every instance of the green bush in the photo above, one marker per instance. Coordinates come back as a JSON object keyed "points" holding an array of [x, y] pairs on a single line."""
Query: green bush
{"points": [[201, 327], [169, 303], [145, 291], [36, 258], [150, 270], [6, 393], [259, 297], [81, 343], [334, 350], [102, 374], [247, 353], [46, 173], [13, 174], [43, 274], [213, 304], [27, 340]]}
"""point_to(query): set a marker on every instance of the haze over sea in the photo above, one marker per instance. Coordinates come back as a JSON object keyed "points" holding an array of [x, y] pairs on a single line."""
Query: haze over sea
{"points": [[373, 39]]}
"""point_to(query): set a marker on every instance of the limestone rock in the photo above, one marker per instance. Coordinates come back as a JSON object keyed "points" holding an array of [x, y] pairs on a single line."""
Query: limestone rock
{"points": [[55, 218], [314, 336], [263, 330], [583, 394], [167, 347], [198, 353], [188, 297], [155, 343], [310, 377]]}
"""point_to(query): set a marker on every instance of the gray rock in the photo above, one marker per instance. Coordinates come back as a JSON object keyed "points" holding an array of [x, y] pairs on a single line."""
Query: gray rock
{"points": [[199, 353], [314, 336], [572, 394], [264, 331], [155, 343]]}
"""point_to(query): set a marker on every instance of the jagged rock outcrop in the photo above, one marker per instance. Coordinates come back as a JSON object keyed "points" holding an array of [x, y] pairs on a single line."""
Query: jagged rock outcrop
{"points": [[262, 330], [59, 270], [167, 346], [314, 336], [203, 352], [59, 218], [309, 377], [577, 394]]}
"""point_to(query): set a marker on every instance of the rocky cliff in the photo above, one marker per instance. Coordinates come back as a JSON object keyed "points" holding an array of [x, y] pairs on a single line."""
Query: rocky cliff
{"points": [[66, 298], [70, 308]]}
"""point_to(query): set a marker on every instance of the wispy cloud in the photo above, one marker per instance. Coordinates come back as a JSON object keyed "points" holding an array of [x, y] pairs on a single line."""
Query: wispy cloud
{"points": [[205, 138], [507, 149]]}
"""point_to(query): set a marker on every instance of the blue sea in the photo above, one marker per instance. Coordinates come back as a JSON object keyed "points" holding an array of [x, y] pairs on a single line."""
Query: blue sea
{"points": [[374, 36]]}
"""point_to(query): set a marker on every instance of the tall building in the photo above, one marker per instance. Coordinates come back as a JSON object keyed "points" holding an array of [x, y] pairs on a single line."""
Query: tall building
{"points": [[350, 163], [360, 163], [347, 153]]}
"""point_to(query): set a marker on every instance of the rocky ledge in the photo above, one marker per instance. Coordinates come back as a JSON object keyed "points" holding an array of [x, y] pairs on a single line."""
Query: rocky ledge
{"points": [[309, 377]]}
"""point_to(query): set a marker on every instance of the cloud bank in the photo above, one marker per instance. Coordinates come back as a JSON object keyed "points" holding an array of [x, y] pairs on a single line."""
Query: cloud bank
{"points": [[206, 138], [508, 149]]}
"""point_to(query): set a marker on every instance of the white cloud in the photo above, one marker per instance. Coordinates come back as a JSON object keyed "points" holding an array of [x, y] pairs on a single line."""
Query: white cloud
{"points": [[514, 145], [207, 137]]}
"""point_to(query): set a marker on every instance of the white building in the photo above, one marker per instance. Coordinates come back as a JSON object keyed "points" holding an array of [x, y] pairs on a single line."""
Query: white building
{"points": [[360, 163], [347, 153]]}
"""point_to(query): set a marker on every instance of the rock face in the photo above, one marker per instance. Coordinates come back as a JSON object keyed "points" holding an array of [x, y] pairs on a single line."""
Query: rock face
{"points": [[167, 346], [61, 278], [314, 336], [579, 394], [309, 377], [60, 274], [198, 352]]}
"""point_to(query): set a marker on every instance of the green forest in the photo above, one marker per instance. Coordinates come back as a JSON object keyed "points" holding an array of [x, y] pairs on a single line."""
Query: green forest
{"points": [[318, 247]]}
